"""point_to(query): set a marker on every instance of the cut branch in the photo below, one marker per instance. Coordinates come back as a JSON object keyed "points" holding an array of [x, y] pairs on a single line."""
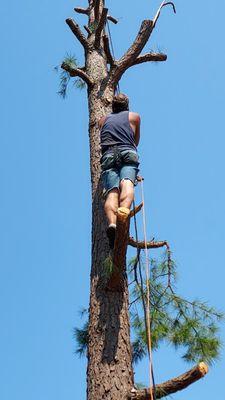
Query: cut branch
{"points": [[81, 10], [172, 386], [100, 27], [136, 210], [77, 32], [112, 19], [133, 52], [150, 245], [150, 57], [87, 30], [97, 9], [74, 72], [110, 59]]}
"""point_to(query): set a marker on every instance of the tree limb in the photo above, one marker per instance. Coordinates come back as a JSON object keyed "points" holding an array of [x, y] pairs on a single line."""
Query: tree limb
{"points": [[133, 52], [150, 245], [85, 11], [108, 53], [172, 386], [81, 10], [136, 210], [154, 57], [87, 30], [112, 19], [100, 27], [77, 32], [97, 9], [77, 72]]}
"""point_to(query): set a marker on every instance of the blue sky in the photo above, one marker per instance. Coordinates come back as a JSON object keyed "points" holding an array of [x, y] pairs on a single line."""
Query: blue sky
{"points": [[45, 184]]}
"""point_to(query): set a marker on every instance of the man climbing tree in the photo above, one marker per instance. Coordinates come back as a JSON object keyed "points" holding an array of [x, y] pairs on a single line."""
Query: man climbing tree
{"points": [[120, 135], [110, 371]]}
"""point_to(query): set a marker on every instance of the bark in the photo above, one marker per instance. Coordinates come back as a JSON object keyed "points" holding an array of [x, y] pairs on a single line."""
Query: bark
{"points": [[77, 32], [74, 72], [172, 386], [109, 374], [136, 210], [109, 57], [149, 245], [100, 27], [150, 57]]}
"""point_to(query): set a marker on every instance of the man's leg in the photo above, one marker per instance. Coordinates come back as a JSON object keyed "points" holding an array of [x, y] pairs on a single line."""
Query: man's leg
{"points": [[111, 206], [126, 193]]}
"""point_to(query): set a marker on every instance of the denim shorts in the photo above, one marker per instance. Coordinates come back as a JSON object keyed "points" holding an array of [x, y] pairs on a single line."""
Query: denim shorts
{"points": [[114, 170]]}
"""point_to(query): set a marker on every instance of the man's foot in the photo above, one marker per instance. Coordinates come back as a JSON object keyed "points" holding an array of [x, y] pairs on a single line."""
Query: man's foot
{"points": [[111, 234]]}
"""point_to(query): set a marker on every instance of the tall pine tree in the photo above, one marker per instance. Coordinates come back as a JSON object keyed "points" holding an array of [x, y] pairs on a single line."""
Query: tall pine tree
{"points": [[110, 370]]}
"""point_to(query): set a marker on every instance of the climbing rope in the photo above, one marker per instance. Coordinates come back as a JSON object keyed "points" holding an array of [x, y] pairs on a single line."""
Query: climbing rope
{"points": [[148, 318], [146, 299], [113, 53]]}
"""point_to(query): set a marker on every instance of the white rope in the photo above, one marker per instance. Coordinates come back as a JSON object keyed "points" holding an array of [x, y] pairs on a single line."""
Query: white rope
{"points": [[148, 318]]}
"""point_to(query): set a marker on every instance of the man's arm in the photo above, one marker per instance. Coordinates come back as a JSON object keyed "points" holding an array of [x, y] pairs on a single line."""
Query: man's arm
{"points": [[135, 122], [101, 122]]}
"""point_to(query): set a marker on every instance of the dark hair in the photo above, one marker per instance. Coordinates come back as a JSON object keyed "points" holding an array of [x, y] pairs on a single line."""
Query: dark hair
{"points": [[120, 103]]}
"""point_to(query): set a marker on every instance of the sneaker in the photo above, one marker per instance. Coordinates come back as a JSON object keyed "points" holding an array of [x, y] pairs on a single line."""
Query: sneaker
{"points": [[111, 234]]}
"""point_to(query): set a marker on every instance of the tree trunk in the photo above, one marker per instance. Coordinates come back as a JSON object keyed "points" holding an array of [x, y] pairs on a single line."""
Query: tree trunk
{"points": [[109, 374]]}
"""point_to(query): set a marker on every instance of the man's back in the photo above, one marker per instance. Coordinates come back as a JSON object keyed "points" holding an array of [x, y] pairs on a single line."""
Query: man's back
{"points": [[120, 129]]}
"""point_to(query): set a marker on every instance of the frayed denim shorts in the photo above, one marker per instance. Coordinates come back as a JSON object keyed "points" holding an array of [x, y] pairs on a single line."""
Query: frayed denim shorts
{"points": [[117, 166]]}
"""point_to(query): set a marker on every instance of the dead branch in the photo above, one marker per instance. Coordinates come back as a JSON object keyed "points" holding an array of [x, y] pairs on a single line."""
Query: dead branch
{"points": [[172, 386], [150, 57], [97, 9], [150, 245], [164, 4], [77, 72], [81, 10], [87, 30], [112, 19], [77, 32], [110, 59], [136, 210], [100, 27], [133, 52]]}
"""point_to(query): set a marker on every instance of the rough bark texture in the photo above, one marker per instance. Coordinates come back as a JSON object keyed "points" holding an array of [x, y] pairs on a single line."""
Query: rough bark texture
{"points": [[173, 385], [109, 350], [150, 245], [109, 374]]}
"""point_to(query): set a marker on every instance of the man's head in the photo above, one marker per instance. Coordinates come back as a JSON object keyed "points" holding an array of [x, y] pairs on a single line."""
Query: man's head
{"points": [[120, 103]]}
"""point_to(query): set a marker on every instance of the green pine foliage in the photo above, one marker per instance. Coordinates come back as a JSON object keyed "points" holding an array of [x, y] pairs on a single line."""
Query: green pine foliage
{"points": [[65, 79], [81, 337], [192, 326], [189, 325]]}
